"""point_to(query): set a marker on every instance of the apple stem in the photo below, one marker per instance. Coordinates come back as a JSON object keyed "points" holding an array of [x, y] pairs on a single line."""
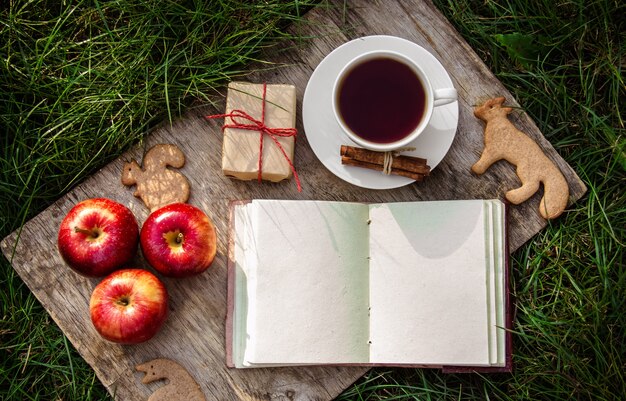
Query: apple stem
{"points": [[86, 232], [179, 238]]}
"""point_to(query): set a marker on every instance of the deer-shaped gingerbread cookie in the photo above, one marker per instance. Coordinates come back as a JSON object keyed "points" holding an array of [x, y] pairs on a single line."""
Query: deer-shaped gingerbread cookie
{"points": [[504, 141], [181, 385], [157, 185]]}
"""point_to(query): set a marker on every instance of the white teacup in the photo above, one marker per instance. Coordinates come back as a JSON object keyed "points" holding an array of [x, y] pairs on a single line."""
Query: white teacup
{"points": [[379, 95]]}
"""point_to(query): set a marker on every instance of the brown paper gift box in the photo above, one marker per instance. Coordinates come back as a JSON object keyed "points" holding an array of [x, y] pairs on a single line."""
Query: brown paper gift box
{"points": [[240, 149]]}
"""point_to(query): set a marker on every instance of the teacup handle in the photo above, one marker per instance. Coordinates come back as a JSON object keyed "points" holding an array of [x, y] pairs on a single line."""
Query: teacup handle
{"points": [[444, 96]]}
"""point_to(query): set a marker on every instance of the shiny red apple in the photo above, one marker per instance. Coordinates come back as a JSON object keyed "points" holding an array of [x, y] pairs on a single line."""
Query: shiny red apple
{"points": [[178, 240], [98, 236], [129, 306]]}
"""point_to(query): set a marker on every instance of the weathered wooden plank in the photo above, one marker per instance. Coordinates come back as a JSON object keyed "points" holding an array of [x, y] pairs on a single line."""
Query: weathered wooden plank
{"points": [[194, 333]]}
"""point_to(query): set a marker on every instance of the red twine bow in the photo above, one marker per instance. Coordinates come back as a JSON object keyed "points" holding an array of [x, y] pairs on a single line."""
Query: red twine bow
{"points": [[259, 125]]}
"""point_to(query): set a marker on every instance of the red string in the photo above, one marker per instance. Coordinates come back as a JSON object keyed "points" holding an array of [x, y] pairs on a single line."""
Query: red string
{"points": [[259, 125]]}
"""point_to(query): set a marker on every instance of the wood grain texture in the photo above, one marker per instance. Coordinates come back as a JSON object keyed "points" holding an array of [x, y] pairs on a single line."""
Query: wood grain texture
{"points": [[194, 332]]}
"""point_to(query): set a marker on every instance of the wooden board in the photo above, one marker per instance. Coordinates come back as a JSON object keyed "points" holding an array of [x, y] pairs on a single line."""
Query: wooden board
{"points": [[194, 333]]}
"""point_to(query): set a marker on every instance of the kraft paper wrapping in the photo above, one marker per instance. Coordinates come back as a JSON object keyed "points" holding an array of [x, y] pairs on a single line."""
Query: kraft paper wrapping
{"points": [[240, 150]]}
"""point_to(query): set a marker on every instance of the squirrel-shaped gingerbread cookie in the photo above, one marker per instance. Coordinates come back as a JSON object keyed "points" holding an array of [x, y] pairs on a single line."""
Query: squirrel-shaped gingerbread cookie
{"points": [[157, 185], [181, 385], [504, 141]]}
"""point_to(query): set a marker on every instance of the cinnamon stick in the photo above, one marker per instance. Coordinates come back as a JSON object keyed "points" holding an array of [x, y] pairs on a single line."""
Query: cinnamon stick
{"points": [[407, 166], [379, 167]]}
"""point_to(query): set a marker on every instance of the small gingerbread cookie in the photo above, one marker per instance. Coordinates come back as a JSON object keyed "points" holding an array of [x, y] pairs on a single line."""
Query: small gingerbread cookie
{"points": [[181, 385], [157, 185], [504, 141]]}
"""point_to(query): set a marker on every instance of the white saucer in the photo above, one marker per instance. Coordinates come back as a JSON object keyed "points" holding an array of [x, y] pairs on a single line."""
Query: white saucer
{"points": [[326, 137]]}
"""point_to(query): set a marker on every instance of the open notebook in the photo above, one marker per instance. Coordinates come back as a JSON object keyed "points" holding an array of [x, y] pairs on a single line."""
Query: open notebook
{"points": [[415, 283]]}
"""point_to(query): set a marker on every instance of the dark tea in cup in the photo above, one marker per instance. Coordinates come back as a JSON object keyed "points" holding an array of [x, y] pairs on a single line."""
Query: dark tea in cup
{"points": [[381, 100]]}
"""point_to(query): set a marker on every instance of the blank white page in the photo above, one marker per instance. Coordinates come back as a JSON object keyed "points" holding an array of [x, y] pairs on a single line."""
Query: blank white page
{"points": [[428, 283], [311, 283]]}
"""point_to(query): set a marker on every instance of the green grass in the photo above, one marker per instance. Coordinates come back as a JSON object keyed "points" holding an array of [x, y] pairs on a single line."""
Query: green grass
{"points": [[82, 81]]}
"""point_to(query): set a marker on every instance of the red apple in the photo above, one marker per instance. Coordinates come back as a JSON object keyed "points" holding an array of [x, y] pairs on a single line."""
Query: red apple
{"points": [[98, 236], [129, 306], [178, 240]]}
